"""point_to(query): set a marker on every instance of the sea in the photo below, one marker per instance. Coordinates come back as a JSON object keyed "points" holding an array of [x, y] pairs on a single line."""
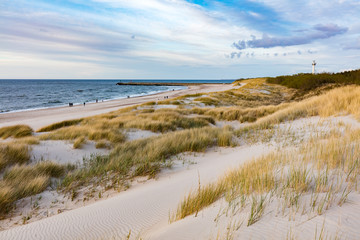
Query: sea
{"points": [[29, 94]]}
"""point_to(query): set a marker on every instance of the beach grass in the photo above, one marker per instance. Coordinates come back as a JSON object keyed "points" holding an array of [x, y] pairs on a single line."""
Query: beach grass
{"points": [[58, 125], [328, 166], [11, 154], [145, 157], [78, 143], [16, 131], [23, 180]]}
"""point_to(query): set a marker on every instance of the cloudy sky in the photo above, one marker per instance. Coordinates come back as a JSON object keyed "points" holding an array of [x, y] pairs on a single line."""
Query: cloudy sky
{"points": [[176, 39]]}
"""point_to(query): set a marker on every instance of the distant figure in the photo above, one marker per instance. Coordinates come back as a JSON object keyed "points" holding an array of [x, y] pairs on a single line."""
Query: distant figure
{"points": [[173, 89], [84, 104], [128, 96], [97, 101]]}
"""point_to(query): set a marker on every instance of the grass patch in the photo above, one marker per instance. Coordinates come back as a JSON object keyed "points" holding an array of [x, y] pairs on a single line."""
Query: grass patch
{"points": [[24, 180], [330, 166], [12, 154], [344, 100], [207, 101], [79, 142], [147, 156], [58, 125], [27, 141], [16, 131], [102, 144]]}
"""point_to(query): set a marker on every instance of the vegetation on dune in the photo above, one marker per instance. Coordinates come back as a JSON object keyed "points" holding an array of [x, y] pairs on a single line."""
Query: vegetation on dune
{"points": [[315, 167], [31, 140], [25, 180], [16, 131], [12, 154], [58, 125], [241, 114], [90, 132], [79, 142], [325, 170], [307, 81], [20, 178], [147, 156], [344, 100], [111, 126]]}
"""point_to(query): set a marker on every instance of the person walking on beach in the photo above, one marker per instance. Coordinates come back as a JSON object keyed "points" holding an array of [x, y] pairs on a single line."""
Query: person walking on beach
{"points": [[84, 104]]}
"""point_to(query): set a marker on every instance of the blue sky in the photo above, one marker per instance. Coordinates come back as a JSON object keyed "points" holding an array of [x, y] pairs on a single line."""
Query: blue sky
{"points": [[176, 39]]}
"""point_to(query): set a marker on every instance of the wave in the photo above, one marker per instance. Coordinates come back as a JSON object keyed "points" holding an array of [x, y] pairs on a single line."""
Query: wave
{"points": [[55, 101]]}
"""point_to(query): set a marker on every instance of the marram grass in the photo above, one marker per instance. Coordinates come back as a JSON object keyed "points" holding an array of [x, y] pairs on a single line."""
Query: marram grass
{"points": [[21, 181], [11, 154], [331, 166], [147, 156], [16, 131]]}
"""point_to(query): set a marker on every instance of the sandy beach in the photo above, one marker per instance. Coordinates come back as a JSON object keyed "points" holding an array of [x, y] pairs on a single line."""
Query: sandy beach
{"points": [[43, 117]]}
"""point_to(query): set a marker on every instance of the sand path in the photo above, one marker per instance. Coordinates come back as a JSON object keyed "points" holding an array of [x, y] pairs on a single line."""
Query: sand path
{"points": [[142, 208], [42, 117]]}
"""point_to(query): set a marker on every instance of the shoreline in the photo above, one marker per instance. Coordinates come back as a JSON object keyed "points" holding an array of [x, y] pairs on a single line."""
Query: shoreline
{"points": [[81, 104], [42, 117]]}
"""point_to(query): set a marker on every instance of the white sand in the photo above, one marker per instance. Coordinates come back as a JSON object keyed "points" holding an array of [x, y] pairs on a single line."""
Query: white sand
{"points": [[43, 117], [63, 152], [135, 134]]}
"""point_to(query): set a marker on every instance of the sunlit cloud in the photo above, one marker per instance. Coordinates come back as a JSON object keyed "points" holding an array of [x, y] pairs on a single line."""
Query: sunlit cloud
{"points": [[175, 39]]}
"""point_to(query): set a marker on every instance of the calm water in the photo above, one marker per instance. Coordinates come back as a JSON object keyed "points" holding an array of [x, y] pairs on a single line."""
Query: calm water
{"points": [[17, 95]]}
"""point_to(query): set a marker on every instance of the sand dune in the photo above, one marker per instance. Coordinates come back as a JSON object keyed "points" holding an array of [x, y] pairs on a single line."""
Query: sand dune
{"points": [[140, 209]]}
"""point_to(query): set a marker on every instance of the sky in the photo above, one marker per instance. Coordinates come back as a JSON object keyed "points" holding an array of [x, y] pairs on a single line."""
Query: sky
{"points": [[176, 39]]}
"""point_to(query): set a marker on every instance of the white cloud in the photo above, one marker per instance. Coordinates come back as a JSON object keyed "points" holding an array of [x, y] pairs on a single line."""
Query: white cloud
{"points": [[140, 37]]}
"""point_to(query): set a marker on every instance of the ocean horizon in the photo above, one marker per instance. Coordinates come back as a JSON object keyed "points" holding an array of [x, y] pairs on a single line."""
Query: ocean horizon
{"points": [[30, 94]]}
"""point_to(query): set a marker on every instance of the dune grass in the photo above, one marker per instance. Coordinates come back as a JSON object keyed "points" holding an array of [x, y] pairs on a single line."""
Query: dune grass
{"points": [[78, 143], [31, 140], [241, 114], [344, 100], [25, 180], [110, 127], [58, 125], [16, 131], [331, 166], [146, 157], [11, 154]]}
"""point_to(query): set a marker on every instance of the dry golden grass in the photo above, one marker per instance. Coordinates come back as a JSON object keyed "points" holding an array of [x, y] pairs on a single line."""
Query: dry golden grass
{"points": [[12, 154], [79, 142], [344, 100], [147, 156], [110, 126], [25, 180], [32, 140], [16, 131], [58, 125], [331, 165], [242, 114], [102, 144], [90, 132]]}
